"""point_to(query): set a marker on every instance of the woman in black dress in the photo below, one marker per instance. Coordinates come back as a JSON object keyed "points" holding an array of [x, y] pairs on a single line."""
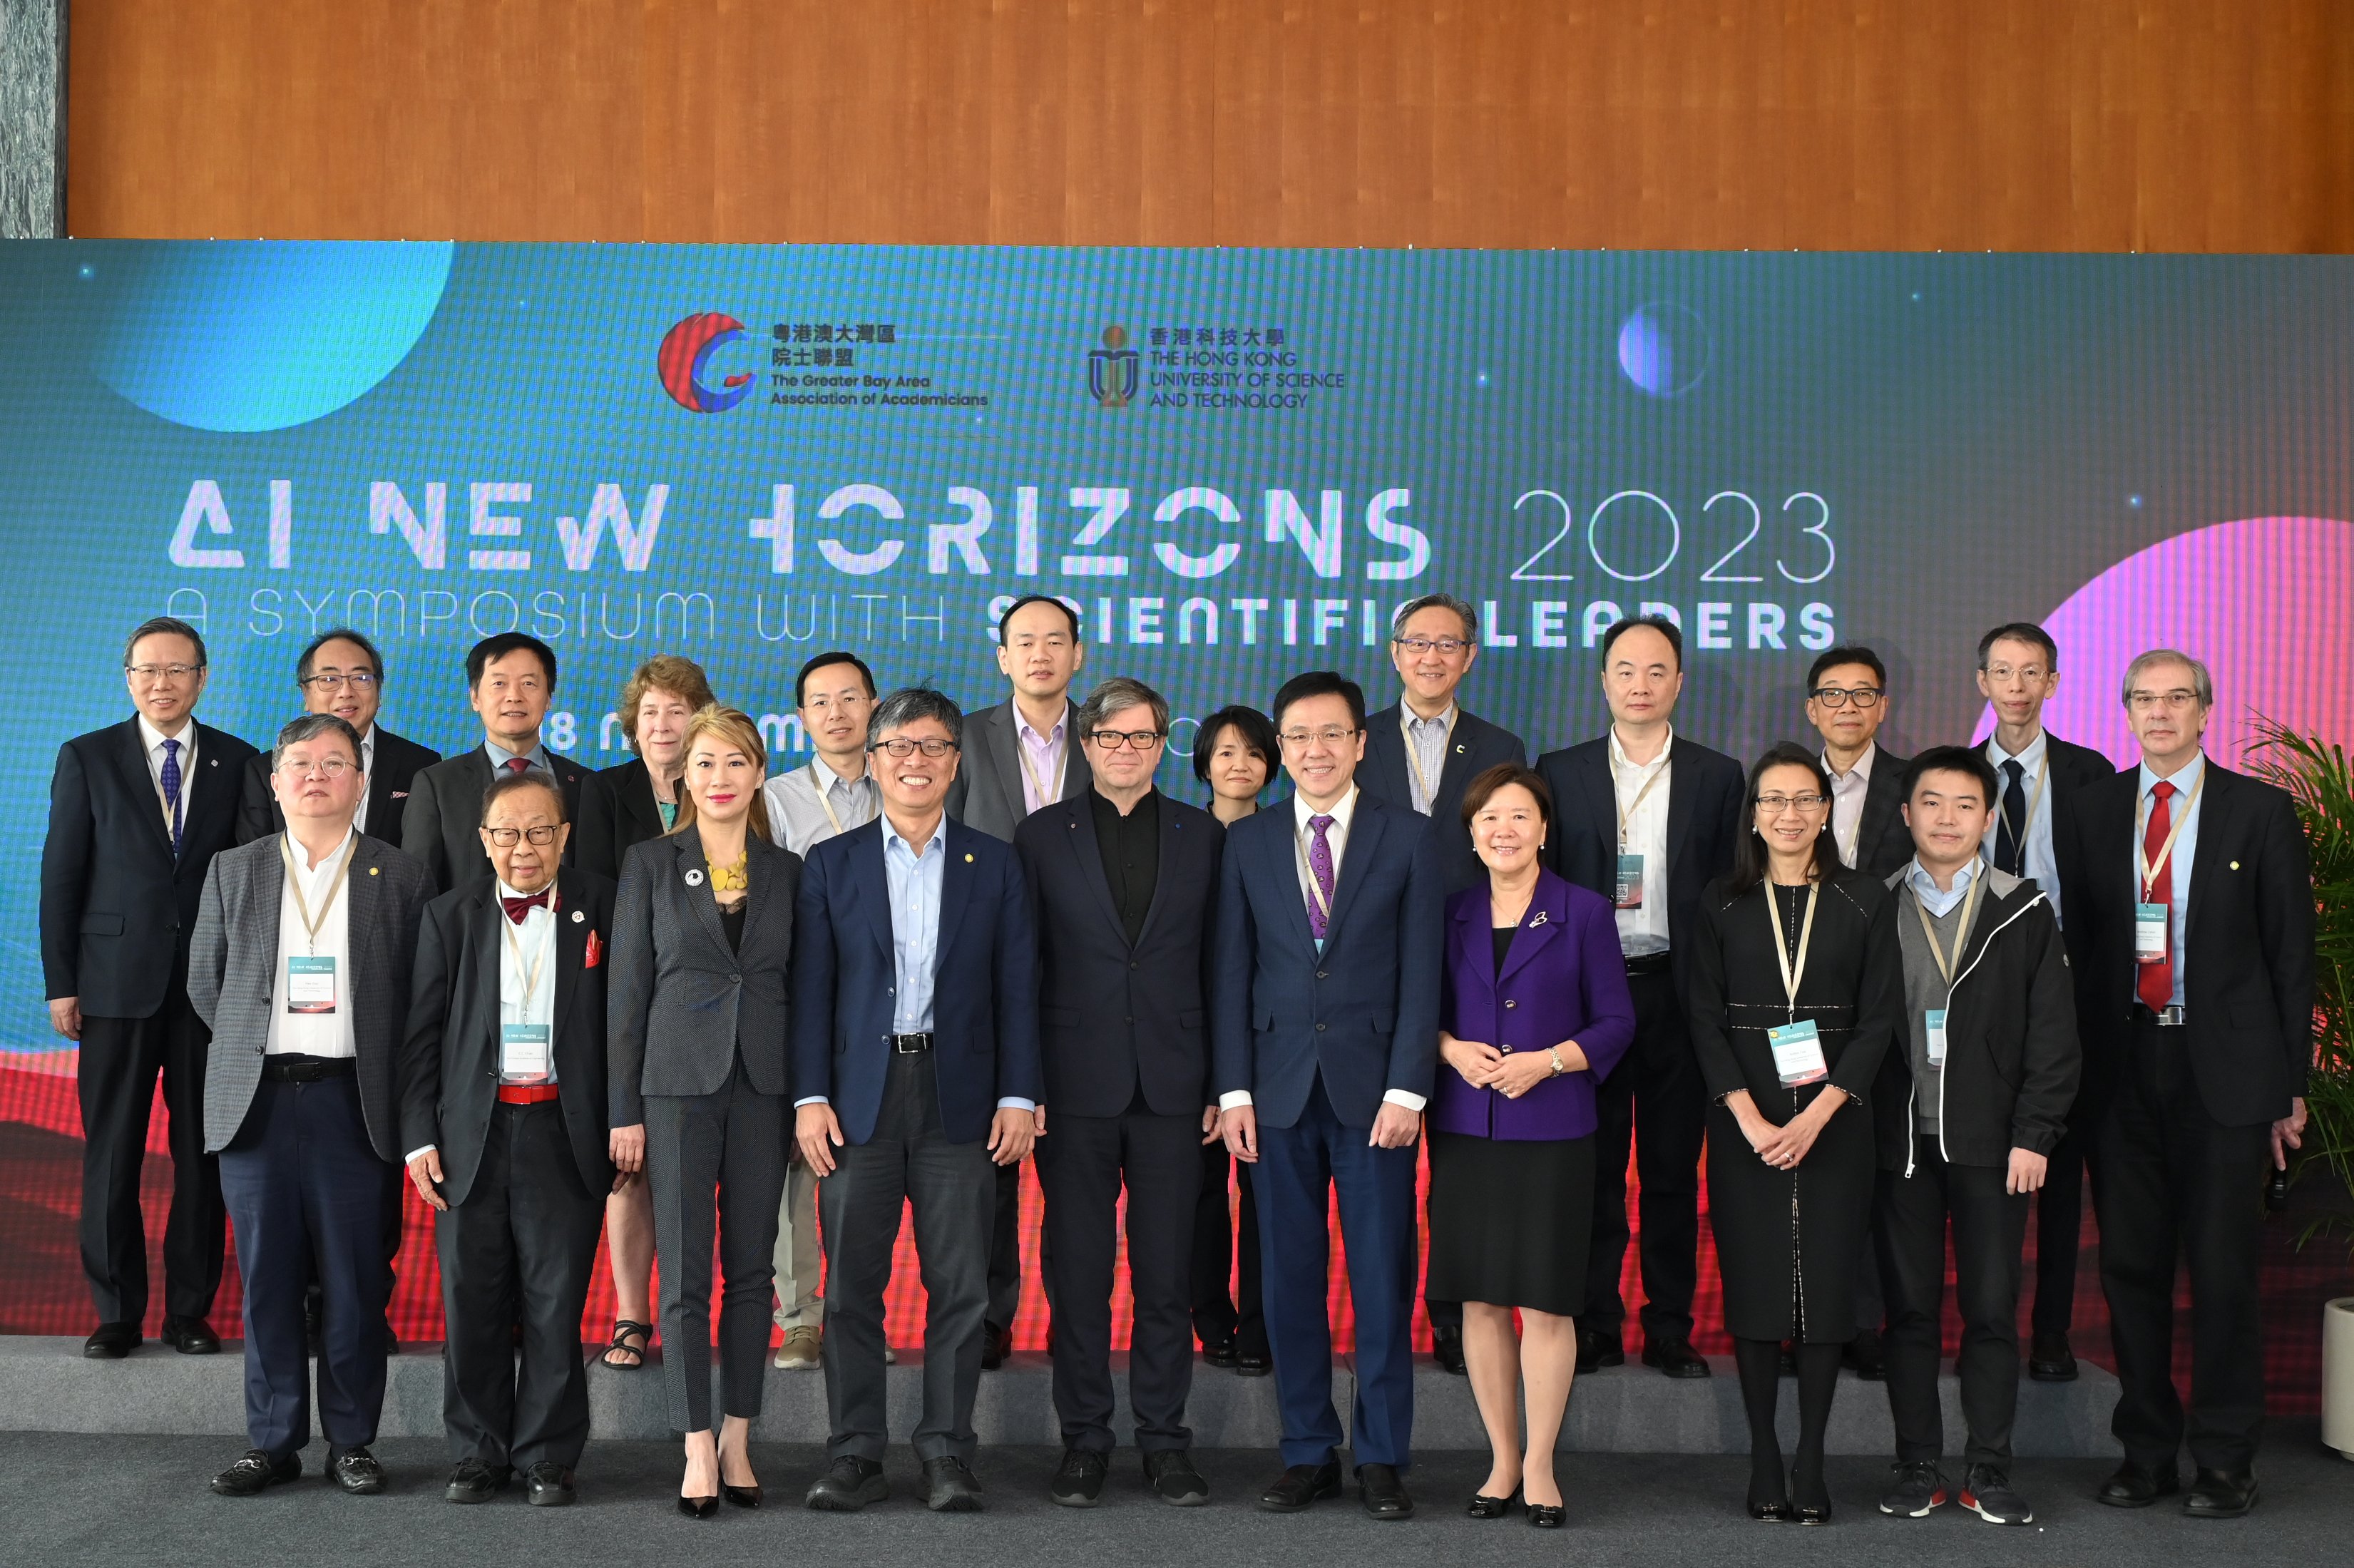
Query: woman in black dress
{"points": [[1797, 990]]}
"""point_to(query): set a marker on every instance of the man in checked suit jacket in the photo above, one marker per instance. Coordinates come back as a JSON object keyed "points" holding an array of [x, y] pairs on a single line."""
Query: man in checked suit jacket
{"points": [[301, 966], [509, 680], [137, 811]]}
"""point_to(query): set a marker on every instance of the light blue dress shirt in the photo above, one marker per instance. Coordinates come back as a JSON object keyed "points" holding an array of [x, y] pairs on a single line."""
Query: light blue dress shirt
{"points": [[915, 882], [2186, 852], [1937, 901], [2041, 864], [500, 756]]}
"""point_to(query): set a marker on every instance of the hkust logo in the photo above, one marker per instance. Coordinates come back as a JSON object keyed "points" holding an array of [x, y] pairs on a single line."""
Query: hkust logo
{"points": [[685, 363], [1114, 371]]}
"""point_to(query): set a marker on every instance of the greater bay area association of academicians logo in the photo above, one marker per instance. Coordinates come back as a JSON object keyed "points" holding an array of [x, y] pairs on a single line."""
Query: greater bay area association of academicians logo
{"points": [[686, 356], [1114, 371]]}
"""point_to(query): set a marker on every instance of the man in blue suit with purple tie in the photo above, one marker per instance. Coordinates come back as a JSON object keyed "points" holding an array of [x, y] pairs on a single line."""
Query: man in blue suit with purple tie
{"points": [[1325, 1030]]}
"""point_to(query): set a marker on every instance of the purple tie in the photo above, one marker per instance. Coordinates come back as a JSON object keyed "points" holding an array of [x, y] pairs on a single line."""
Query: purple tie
{"points": [[172, 790], [1319, 866]]}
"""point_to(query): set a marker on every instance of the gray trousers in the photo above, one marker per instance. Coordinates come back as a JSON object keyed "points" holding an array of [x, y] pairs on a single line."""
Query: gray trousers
{"points": [[953, 1190]]}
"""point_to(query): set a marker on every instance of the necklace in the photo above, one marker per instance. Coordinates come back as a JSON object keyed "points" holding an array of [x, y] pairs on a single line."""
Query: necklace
{"points": [[731, 878]]}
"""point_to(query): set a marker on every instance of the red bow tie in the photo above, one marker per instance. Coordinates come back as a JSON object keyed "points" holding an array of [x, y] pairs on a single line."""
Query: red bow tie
{"points": [[517, 909]]}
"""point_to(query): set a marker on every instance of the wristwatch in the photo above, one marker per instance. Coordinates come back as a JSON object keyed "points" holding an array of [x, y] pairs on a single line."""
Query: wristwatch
{"points": [[1558, 1069]]}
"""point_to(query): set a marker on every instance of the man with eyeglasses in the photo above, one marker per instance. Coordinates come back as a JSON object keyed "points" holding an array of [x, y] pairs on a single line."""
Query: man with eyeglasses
{"points": [[2039, 778], [137, 811], [1324, 1023], [914, 1073], [503, 1122], [340, 673], [1125, 885], [2193, 912], [301, 964], [1646, 818], [510, 680], [1018, 757]]}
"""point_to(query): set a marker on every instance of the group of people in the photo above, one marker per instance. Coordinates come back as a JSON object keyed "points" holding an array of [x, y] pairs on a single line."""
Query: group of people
{"points": [[709, 1012]]}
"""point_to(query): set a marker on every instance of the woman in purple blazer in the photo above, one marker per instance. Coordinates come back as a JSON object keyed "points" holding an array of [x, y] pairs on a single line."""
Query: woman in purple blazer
{"points": [[1535, 1013]]}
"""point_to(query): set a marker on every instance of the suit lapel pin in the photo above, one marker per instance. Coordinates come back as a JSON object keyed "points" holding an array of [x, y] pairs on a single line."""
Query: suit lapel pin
{"points": [[968, 860], [1542, 916], [1460, 748], [2235, 865], [371, 871], [579, 916], [693, 878]]}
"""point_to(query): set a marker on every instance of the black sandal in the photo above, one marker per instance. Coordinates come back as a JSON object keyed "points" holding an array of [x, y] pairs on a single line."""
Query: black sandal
{"points": [[622, 1330]]}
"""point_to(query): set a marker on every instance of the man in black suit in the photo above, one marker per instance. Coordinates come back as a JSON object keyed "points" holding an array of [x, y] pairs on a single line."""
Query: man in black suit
{"points": [[2194, 917], [2039, 777], [1420, 754], [1125, 883], [340, 673], [137, 811], [1646, 818], [509, 680]]}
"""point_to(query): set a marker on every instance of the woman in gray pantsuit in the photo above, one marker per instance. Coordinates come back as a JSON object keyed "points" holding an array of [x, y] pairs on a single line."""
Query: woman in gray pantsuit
{"points": [[702, 935]]}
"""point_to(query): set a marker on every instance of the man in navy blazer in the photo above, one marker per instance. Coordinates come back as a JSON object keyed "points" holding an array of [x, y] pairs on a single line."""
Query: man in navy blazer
{"points": [[915, 1075], [1325, 1035]]}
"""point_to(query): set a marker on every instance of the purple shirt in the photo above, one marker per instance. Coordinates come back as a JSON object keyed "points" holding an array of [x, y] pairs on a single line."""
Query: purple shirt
{"points": [[1564, 978], [1041, 763]]}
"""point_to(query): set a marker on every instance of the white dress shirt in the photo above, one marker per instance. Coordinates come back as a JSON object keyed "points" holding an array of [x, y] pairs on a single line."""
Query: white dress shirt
{"points": [[367, 767], [1425, 747], [2034, 762], [1847, 791], [314, 1033], [1643, 930], [2186, 855], [153, 740], [534, 942]]}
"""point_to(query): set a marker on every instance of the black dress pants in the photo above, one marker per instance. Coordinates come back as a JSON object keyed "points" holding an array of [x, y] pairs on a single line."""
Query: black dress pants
{"points": [[120, 1061], [2058, 1230], [519, 1250], [1005, 1248], [1238, 1319], [1989, 1229], [2171, 1181], [1082, 1166], [1655, 1100]]}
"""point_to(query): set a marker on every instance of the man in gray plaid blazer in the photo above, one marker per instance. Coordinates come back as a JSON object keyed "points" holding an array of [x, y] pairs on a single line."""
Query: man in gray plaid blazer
{"points": [[300, 964]]}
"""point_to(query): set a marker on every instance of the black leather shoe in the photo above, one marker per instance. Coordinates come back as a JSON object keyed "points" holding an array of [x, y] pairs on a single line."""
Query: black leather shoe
{"points": [[1482, 1506], [1300, 1485], [2137, 1486], [190, 1336], [356, 1470], [951, 1488], [2049, 1359], [473, 1481], [2221, 1494], [1253, 1363], [547, 1485], [1382, 1491], [848, 1485], [1170, 1473], [1595, 1352], [1547, 1516], [111, 1341], [996, 1344], [699, 1508], [1675, 1357], [1863, 1357], [1079, 1480], [255, 1472], [1218, 1352], [1447, 1347]]}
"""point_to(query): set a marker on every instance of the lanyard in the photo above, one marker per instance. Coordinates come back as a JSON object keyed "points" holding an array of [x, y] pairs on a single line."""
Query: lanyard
{"points": [[531, 972], [1961, 936], [1414, 754], [818, 783], [2151, 870], [1626, 812], [1315, 888], [1791, 976], [294, 885], [1022, 751]]}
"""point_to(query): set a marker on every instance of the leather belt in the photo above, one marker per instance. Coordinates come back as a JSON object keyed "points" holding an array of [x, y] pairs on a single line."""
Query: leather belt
{"points": [[2164, 1017], [292, 1069], [1650, 964], [526, 1094], [911, 1045]]}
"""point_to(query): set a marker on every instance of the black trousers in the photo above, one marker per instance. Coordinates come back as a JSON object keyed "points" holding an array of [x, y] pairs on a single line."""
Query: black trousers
{"points": [[519, 1250], [120, 1061], [732, 1141], [2171, 1181], [1989, 1229], [1654, 1099], [1005, 1248], [1218, 1317], [2058, 1230], [1083, 1165]]}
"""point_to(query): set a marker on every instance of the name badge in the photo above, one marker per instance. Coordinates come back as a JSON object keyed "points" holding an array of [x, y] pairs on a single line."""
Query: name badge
{"points": [[523, 1052], [1935, 1018], [309, 983], [2150, 925], [1798, 1052], [1628, 893]]}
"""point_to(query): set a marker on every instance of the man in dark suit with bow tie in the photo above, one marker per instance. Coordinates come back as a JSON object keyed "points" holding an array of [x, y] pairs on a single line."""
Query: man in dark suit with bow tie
{"points": [[510, 680], [340, 673], [503, 1116], [137, 811]]}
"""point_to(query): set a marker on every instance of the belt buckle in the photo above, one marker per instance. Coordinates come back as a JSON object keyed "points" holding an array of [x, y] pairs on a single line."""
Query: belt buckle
{"points": [[2171, 1017], [914, 1044]]}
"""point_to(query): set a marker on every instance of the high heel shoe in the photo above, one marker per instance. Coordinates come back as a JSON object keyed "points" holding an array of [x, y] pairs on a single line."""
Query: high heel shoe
{"points": [[1769, 1501], [1814, 1498], [1482, 1506], [698, 1508], [742, 1497]]}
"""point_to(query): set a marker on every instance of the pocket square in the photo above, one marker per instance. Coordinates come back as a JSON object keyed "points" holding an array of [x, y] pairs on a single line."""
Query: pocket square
{"points": [[397, 795], [596, 952]]}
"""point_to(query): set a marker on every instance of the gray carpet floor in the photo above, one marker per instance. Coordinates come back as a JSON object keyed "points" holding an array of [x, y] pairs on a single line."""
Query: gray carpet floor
{"points": [[73, 1500]]}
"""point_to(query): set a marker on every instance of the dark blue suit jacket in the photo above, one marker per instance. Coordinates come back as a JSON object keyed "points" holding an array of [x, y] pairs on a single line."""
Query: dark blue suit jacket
{"points": [[1364, 1012], [1475, 747], [984, 992]]}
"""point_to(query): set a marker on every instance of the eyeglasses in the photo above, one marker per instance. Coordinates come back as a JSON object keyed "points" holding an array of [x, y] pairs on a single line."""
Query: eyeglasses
{"points": [[1113, 739], [2000, 673], [902, 748], [2150, 702], [331, 767], [1445, 647], [152, 673], [1837, 696], [328, 680], [507, 838], [1774, 805], [1331, 735]]}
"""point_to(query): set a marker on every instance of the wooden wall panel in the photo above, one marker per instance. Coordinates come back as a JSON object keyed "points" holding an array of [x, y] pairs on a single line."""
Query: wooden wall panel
{"points": [[1862, 124]]}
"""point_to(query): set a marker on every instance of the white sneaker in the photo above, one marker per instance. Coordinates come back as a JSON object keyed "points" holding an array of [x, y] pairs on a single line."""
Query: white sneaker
{"points": [[799, 1351]]}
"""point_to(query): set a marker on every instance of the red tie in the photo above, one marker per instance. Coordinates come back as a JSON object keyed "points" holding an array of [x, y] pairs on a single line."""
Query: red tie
{"points": [[516, 764], [2154, 985], [517, 909]]}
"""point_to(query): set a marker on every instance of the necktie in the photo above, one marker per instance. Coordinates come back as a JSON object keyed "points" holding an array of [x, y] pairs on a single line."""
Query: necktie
{"points": [[517, 909], [172, 790], [1319, 866], [2010, 833], [516, 764], [2155, 984]]}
